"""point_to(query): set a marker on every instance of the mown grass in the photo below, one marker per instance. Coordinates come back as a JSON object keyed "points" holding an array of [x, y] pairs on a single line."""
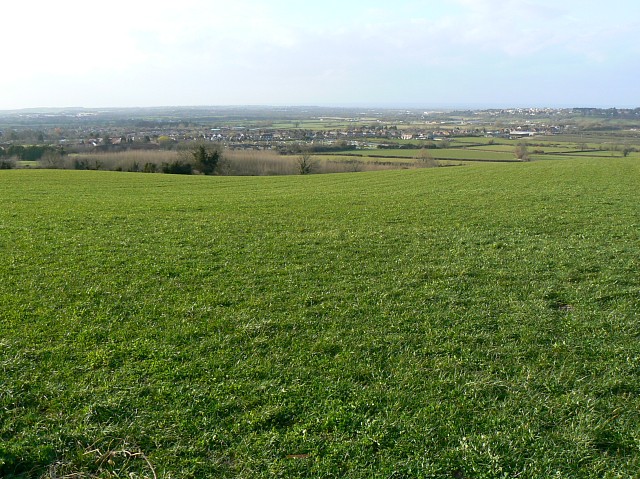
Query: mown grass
{"points": [[476, 322]]}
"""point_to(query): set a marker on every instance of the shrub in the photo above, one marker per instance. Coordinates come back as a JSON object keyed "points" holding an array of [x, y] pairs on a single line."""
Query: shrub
{"points": [[177, 167], [150, 167], [81, 164], [7, 164], [305, 164], [206, 158]]}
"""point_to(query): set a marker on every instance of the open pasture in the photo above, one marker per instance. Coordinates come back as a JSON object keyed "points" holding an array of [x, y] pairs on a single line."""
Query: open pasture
{"points": [[476, 322], [532, 145], [439, 153]]}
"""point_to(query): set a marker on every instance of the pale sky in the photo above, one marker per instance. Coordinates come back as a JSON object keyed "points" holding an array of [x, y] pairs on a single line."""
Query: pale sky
{"points": [[438, 53]]}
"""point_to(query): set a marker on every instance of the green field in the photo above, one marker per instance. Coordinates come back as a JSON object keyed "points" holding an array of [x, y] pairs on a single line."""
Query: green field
{"points": [[510, 147], [472, 322], [444, 153], [502, 152]]}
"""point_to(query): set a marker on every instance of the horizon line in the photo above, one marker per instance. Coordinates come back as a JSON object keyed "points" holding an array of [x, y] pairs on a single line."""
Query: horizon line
{"points": [[382, 106]]}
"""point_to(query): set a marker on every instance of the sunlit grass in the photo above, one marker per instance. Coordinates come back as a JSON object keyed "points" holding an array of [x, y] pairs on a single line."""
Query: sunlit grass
{"points": [[446, 322]]}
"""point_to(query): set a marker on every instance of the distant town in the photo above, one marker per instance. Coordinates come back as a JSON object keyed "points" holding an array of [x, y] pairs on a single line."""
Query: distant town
{"points": [[83, 130]]}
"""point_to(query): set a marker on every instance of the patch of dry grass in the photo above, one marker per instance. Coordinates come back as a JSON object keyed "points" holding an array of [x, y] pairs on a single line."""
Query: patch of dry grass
{"points": [[233, 163]]}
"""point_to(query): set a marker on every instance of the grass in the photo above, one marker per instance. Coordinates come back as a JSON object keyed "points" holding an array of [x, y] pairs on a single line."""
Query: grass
{"points": [[477, 322], [532, 146], [440, 153]]}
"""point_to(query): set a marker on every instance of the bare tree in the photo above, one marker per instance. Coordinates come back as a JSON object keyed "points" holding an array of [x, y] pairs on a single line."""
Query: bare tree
{"points": [[425, 159], [52, 159], [614, 147], [522, 151]]}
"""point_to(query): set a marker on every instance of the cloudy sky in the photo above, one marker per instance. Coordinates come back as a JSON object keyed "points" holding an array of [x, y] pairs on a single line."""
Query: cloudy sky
{"points": [[429, 53]]}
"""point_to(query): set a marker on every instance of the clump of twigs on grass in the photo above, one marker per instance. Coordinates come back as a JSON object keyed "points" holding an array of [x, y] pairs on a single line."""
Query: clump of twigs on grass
{"points": [[122, 461]]}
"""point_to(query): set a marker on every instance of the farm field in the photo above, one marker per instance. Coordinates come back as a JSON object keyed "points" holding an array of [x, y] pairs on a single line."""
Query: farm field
{"points": [[474, 322], [467, 149], [444, 153], [463, 154], [509, 148]]}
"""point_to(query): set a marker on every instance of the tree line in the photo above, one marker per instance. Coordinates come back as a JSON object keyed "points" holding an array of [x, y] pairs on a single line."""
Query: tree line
{"points": [[29, 152]]}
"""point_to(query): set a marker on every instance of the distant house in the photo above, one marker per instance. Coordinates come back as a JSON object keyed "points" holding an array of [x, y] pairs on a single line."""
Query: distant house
{"points": [[407, 136], [517, 134]]}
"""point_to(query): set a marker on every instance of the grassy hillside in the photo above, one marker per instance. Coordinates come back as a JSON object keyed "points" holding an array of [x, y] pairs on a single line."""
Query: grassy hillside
{"points": [[473, 322]]}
